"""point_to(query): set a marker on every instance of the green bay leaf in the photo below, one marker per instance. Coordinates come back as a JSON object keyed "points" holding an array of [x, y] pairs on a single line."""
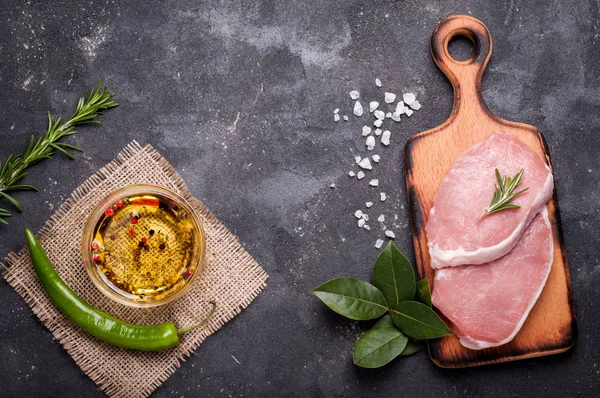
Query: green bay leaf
{"points": [[352, 298], [423, 293], [378, 346], [411, 347], [418, 321], [394, 276]]}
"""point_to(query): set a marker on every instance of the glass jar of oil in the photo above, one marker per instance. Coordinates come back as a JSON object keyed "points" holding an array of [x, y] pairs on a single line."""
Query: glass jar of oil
{"points": [[143, 245]]}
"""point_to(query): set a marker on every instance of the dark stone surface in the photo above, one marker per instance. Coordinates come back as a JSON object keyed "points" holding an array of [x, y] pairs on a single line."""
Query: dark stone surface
{"points": [[239, 97]]}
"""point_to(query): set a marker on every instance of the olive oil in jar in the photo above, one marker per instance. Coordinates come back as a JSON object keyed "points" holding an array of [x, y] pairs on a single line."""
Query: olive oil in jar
{"points": [[143, 247]]}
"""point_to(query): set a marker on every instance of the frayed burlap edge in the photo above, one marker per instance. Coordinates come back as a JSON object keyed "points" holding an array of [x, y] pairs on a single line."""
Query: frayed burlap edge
{"points": [[61, 330]]}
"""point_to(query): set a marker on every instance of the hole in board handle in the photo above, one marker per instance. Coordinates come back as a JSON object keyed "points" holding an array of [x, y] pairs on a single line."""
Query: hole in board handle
{"points": [[462, 47]]}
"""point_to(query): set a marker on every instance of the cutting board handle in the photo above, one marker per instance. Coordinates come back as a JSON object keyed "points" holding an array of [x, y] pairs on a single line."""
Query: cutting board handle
{"points": [[465, 76]]}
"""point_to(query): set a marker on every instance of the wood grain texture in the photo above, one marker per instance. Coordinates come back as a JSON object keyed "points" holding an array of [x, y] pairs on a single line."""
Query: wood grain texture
{"points": [[550, 327]]}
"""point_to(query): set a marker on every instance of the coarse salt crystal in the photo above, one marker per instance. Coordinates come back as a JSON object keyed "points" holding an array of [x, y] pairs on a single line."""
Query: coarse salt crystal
{"points": [[374, 183], [336, 118], [390, 234], [345, 118], [390, 97], [409, 98], [415, 105], [361, 223], [357, 159], [351, 173], [385, 137], [366, 163], [382, 196], [358, 109], [370, 142], [365, 217], [378, 82], [336, 110], [408, 111], [373, 105], [366, 227], [378, 123], [366, 130], [332, 186], [358, 214], [396, 116], [379, 243], [379, 114], [388, 115], [378, 131], [381, 218], [369, 204], [400, 107], [376, 158], [360, 175], [354, 94]]}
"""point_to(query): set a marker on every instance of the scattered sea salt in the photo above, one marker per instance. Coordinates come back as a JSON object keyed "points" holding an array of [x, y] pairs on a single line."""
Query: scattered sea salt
{"points": [[358, 109], [354, 94], [385, 137], [345, 118], [366, 227], [332, 186], [365, 217], [366, 130], [409, 98], [358, 214], [360, 175], [370, 143], [396, 117], [373, 105], [366, 163], [390, 234], [369, 204], [374, 183], [357, 159], [408, 111], [378, 131], [351, 173], [336, 110], [378, 123], [378, 82], [379, 243], [381, 218], [382, 196], [390, 97], [336, 118], [415, 105], [388, 115], [379, 114], [375, 158], [361, 223]]}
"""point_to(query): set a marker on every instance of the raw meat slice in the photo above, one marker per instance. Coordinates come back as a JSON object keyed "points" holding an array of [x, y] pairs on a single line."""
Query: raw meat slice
{"points": [[488, 304], [456, 235]]}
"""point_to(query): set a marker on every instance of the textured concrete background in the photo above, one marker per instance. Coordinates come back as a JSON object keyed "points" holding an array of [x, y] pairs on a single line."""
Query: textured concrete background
{"points": [[239, 97]]}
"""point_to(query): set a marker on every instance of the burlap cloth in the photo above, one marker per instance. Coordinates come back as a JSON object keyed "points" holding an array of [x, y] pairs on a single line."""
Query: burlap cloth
{"points": [[231, 277]]}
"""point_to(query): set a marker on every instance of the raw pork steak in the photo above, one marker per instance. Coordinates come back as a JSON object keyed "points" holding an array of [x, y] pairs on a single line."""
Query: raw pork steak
{"points": [[487, 304], [455, 233]]}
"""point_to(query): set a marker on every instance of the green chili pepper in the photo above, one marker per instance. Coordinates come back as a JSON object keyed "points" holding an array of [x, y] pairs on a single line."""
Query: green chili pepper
{"points": [[97, 323]]}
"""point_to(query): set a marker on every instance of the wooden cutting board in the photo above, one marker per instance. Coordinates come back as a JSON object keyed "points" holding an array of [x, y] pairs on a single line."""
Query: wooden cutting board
{"points": [[550, 327]]}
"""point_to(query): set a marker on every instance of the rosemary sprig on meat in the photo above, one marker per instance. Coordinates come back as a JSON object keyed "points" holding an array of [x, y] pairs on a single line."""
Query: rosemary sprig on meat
{"points": [[13, 169], [504, 193]]}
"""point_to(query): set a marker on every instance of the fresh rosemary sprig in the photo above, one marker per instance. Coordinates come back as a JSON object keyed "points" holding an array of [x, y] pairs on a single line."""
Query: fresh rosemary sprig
{"points": [[45, 146], [504, 193]]}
